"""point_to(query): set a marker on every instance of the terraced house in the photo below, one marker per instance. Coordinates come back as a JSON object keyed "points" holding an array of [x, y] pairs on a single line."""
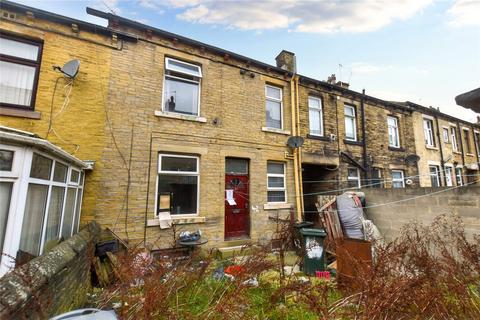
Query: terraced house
{"points": [[158, 128]]}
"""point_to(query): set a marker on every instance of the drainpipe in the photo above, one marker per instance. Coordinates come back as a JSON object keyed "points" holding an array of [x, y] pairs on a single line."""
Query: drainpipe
{"points": [[364, 137], [298, 195], [460, 139], [300, 178], [442, 160]]}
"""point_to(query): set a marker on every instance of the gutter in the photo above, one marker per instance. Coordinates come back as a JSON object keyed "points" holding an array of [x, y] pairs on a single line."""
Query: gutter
{"points": [[87, 26], [41, 144]]}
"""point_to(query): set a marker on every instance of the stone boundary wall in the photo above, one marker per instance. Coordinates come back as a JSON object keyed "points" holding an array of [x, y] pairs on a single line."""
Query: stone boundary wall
{"points": [[464, 201], [53, 283]]}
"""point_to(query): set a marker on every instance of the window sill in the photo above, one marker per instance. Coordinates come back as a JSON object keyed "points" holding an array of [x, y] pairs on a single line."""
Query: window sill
{"points": [[431, 148], [20, 113], [276, 206], [352, 142], [173, 115], [457, 152], [177, 220], [470, 155], [275, 130], [396, 149], [322, 138]]}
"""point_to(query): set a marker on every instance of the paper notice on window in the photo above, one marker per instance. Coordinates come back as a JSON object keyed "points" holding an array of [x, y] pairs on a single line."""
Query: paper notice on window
{"points": [[230, 199], [165, 220]]}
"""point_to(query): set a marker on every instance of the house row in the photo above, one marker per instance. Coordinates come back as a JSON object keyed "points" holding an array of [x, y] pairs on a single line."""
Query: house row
{"points": [[157, 123]]}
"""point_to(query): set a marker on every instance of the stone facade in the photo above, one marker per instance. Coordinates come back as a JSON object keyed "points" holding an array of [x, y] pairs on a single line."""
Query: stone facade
{"points": [[115, 117], [457, 165]]}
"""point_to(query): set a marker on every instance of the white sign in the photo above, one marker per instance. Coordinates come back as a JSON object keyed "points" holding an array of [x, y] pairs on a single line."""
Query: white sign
{"points": [[230, 199]]}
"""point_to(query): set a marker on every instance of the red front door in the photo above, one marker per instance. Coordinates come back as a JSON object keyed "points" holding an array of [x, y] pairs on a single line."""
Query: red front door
{"points": [[237, 213]]}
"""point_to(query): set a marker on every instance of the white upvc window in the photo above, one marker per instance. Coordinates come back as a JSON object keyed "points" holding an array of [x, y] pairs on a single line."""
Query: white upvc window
{"points": [[398, 179], [446, 137], [353, 178], [449, 176], [393, 135], [350, 123], [453, 134], [178, 177], [428, 132], [315, 116], [434, 176], [181, 92], [459, 176], [274, 107], [276, 182]]}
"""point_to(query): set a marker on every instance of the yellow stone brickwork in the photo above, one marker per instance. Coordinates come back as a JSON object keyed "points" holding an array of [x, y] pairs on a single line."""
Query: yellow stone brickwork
{"points": [[78, 127]]}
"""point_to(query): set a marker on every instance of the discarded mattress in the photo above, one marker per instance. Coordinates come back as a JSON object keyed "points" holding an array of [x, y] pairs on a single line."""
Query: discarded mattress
{"points": [[350, 212]]}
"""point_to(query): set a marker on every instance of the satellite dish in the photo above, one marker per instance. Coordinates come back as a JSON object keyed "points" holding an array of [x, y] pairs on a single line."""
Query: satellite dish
{"points": [[295, 142], [70, 69], [412, 159], [409, 182]]}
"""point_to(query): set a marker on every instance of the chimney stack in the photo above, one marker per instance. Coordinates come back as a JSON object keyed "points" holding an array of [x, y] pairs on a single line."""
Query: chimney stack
{"points": [[332, 79], [287, 61]]}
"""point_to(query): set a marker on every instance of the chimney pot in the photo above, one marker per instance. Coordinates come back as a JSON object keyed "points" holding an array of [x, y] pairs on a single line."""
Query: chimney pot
{"points": [[287, 61]]}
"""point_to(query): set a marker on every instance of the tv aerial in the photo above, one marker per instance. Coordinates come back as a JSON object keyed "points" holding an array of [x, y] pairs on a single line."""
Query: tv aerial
{"points": [[69, 69]]}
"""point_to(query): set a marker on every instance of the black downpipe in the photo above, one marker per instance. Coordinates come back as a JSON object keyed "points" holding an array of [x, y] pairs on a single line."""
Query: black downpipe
{"points": [[460, 139], [364, 139], [442, 160]]}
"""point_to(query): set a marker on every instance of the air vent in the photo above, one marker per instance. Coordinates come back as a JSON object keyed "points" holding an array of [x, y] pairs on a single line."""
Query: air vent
{"points": [[9, 15]]}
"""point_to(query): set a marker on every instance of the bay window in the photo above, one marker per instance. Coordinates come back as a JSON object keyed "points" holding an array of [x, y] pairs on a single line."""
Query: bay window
{"points": [[181, 87], [19, 68], [178, 177]]}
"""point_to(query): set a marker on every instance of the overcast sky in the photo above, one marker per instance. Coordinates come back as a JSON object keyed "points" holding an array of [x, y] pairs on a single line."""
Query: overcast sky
{"points": [[423, 51]]}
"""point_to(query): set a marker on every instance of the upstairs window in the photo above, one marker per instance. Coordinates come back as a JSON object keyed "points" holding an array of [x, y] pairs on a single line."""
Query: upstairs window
{"points": [[19, 68], [466, 141], [428, 132], [453, 134], [182, 87], [477, 141], [398, 180], [315, 116], [274, 107], [276, 190], [445, 135], [393, 136], [350, 123]]}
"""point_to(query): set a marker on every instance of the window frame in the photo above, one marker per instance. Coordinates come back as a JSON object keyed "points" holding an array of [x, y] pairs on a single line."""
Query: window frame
{"points": [[273, 99], [25, 62], [445, 135], [358, 178], [436, 175], [396, 129], [459, 176], [353, 119], [446, 173], [402, 180], [476, 138], [278, 175], [453, 138], [429, 133], [187, 78], [466, 137], [320, 111], [195, 173]]}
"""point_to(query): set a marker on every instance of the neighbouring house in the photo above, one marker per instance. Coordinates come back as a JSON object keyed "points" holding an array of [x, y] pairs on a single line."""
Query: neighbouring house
{"points": [[449, 148], [179, 130], [41, 188]]}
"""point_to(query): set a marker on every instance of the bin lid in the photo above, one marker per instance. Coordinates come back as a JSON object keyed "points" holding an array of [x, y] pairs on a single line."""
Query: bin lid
{"points": [[313, 232]]}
